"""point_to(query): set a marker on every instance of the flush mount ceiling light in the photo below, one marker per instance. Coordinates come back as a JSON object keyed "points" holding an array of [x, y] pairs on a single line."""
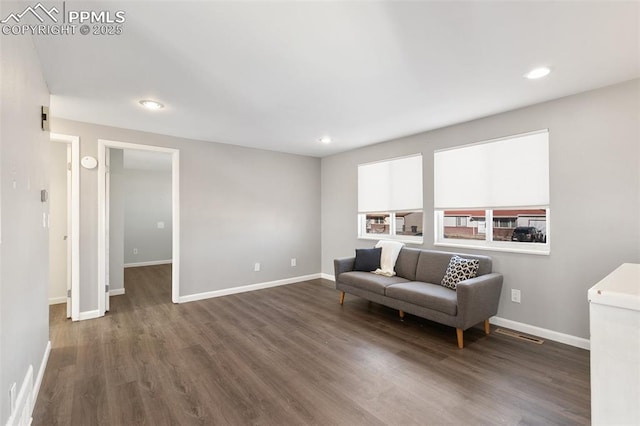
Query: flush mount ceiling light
{"points": [[152, 105], [325, 139], [538, 73]]}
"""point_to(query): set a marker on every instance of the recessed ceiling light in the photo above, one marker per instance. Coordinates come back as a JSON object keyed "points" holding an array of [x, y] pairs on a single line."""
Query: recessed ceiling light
{"points": [[325, 139], [538, 73], [149, 104]]}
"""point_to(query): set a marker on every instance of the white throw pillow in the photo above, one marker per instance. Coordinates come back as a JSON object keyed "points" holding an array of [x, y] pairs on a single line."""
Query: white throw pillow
{"points": [[390, 252]]}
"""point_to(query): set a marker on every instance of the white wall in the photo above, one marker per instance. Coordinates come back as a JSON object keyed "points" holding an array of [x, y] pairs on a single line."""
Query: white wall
{"points": [[24, 247], [238, 206], [58, 223], [147, 201], [117, 189], [594, 190]]}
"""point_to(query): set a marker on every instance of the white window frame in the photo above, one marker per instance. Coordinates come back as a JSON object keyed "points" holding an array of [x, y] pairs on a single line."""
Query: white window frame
{"points": [[398, 199], [411, 239], [470, 177], [488, 243]]}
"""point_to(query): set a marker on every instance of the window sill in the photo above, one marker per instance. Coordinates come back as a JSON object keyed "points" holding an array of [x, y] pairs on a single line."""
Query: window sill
{"points": [[539, 250], [400, 238]]}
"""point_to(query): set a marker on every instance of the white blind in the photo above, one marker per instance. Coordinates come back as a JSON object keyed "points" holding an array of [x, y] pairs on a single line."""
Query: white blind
{"points": [[391, 185], [510, 172]]}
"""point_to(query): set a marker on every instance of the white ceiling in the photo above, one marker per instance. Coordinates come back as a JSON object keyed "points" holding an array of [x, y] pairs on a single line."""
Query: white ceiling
{"points": [[279, 75]]}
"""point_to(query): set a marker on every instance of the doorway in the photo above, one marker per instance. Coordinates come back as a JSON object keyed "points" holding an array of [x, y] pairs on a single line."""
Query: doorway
{"points": [[105, 270], [64, 223], [139, 210]]}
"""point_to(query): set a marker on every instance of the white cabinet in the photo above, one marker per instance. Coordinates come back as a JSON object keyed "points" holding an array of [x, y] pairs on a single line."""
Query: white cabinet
{"points": [[614, 310]]}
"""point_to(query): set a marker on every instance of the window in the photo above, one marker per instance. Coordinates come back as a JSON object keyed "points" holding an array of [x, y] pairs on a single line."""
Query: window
{"points": [[409, 223], [525, 225], [494, 194], [390, 199], [378, 223], [464, 225]]}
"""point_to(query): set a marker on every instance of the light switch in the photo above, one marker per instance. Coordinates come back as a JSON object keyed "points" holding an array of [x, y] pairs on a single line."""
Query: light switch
{"points": [[160, 225]]}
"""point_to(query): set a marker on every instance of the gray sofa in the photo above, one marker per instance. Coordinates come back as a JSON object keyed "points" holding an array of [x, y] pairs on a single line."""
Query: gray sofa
{"points": [[416, 289]]}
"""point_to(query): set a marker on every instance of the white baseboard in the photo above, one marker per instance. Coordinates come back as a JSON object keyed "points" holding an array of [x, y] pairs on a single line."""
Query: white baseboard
{"points": [[89, 315], [567, 339], [57, 300], [245, 288], [26, 397], [149, 263], [43, 367], [555, 336], [21, 408], [116, 292]]}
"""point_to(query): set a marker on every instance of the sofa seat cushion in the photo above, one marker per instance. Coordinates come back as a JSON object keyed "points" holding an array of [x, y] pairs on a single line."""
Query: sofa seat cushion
{"points": [[369, 281], [431, 296]]}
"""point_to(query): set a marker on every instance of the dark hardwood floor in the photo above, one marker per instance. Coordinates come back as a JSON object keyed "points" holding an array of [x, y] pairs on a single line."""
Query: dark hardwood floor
{"points": [[292, 355]]}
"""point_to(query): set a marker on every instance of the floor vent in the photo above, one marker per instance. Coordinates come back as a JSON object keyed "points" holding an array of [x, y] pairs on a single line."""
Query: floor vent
{"points": [[520, 336]]}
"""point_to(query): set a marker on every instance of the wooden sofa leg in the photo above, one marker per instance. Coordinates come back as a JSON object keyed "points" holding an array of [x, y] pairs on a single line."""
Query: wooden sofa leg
{"points": [[459, 332], [487, 327], [341, 297], [401, 312]]}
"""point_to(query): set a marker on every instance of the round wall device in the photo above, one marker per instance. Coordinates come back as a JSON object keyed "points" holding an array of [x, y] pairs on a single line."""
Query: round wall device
{"points": [[89, 162]]}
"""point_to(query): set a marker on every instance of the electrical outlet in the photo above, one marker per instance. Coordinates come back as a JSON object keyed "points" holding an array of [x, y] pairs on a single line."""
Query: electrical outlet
{"points": [[515, 296], [135, 251], [294, 262], [256, 267]]}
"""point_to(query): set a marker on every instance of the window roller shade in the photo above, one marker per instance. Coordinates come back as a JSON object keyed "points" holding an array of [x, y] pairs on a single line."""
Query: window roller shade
{"points": [[393, 185], [511, 172]]}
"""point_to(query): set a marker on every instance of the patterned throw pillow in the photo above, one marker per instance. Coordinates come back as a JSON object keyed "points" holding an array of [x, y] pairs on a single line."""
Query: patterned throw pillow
{"points": [[459, 269]]}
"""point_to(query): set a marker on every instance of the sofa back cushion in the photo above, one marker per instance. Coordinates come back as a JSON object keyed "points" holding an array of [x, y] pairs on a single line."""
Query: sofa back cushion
{"points": [[407, 263], [486, 265], [432, 265]]}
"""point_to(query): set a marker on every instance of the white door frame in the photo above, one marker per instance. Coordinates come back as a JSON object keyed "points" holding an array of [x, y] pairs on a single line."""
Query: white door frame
{"points": [[68, 158], [107, 229], [75, 219], [103, 145]]}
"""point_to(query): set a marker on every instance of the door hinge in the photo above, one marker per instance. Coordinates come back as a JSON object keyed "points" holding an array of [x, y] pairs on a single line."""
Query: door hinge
{"points": [[69, 166], [69, 293], [106, 288]]}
